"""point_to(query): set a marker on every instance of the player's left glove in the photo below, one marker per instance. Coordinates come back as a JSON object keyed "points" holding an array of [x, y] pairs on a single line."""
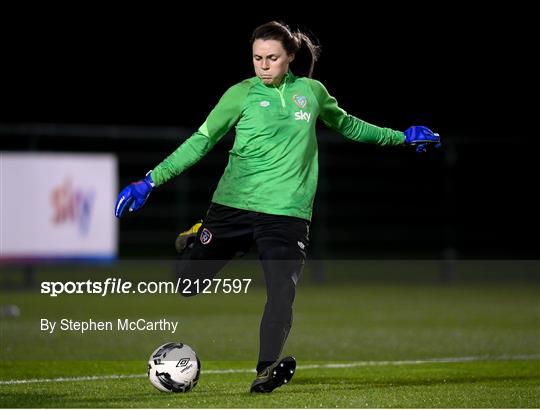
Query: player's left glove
{"points": [[134, 195], [422, 138]]}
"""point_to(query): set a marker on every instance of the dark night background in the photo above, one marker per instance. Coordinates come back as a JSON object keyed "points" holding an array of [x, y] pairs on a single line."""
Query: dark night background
{"points": [[466, 74]]}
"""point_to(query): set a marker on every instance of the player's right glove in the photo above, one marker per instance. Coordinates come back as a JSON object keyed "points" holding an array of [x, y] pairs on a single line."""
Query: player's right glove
{"points": [[421, 138], [134, 195]]}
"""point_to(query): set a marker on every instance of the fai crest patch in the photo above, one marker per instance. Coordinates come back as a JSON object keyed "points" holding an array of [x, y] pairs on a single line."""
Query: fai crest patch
{"points": [[300, 100], [206, 236]]}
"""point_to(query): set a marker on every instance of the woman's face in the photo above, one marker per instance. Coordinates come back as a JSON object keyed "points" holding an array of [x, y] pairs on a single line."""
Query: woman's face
{"points": [[270, 60]]}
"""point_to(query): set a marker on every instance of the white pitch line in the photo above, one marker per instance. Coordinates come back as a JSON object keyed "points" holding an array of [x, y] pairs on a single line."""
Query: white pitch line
{"points": [[304, 367], [73, 379]]}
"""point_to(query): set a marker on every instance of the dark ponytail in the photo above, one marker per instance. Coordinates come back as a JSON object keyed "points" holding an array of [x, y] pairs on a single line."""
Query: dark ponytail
{"points": [[306, 51]]}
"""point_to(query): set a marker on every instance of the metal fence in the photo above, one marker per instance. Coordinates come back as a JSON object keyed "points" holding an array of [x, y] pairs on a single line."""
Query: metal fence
{"points": [[372, 202]]}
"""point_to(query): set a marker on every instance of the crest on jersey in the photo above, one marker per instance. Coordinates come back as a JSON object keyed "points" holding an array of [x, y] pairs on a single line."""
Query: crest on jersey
{"points": [[300, 100], [206, 236]]}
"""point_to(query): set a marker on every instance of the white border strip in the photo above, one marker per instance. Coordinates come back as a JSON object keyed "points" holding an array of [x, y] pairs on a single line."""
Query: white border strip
{"points": [[305, 367]]}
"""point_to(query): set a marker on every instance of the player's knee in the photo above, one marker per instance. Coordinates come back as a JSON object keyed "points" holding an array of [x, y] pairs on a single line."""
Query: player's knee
{"points": [[280, 299]]}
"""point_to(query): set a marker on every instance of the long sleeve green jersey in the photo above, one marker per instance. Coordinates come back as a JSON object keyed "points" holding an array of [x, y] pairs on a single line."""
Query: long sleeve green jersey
{"points": [[273, 165]]}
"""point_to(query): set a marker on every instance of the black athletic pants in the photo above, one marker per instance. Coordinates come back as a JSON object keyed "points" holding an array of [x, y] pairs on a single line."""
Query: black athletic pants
{"points": [[281, 242]]}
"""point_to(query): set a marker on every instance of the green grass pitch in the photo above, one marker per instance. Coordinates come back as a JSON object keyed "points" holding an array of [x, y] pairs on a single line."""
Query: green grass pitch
{"points": [[407, 346]]}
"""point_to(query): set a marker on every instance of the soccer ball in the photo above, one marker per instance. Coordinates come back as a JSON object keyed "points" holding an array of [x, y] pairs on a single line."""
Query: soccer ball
{"points": [[174, 368]]}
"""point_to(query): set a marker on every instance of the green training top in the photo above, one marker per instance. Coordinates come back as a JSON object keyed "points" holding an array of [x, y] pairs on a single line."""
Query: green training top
{"points": [[273, 164]]}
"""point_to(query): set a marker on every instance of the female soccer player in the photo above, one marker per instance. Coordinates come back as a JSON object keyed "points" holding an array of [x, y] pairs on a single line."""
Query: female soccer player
{"points": [[266, 193]]}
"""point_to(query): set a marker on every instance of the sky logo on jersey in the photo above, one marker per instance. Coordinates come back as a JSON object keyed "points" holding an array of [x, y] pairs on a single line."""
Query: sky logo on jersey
{"points": [[300, 100], [302, 116]]}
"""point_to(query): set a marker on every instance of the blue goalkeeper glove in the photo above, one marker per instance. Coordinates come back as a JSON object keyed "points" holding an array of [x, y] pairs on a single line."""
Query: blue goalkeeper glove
{"points": [[134, 195], [421, 138]]}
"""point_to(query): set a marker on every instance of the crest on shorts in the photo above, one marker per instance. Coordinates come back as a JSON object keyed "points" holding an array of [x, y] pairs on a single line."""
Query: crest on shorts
{"points": [[206, 236], [300, 100]]}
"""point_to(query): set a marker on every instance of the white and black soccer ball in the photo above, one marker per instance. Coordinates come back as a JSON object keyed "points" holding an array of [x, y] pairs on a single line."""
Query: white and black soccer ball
{"points": [[174, 368]]}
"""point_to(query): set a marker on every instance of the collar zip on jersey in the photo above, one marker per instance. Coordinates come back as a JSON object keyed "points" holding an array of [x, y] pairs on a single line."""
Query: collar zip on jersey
{"points": [[281, 88], [289, 77], [281, 92]]}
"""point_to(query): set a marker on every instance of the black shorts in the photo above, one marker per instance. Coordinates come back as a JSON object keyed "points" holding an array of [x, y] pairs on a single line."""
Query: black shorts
{"points": [[226, 231]]}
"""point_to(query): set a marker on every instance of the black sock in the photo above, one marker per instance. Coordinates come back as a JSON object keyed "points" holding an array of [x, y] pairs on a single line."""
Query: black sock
{"points": [[263, 365]]}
